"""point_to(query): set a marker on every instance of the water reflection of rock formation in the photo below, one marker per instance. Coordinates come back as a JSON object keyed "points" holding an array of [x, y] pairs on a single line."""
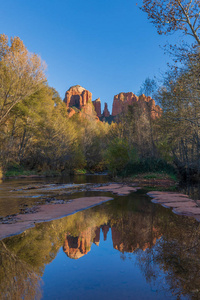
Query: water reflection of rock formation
{"points": [[77, 246], [123, 244], [134, 227]]}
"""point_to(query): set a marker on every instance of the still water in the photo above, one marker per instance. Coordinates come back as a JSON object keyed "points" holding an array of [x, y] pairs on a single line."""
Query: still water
{"points": [[127, 248]]}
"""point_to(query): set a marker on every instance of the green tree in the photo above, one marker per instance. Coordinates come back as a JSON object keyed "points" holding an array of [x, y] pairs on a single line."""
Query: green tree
{"points": [[21, 73]]}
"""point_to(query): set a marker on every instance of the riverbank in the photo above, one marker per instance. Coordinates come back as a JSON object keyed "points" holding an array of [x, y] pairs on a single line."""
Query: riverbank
{"points": [[58, 201], [151, 180], [35, 174], [180, 204], [48, 212], [54, 208]]}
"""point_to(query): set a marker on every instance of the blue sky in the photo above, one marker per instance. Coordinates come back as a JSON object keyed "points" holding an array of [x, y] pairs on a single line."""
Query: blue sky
{"points": [[106, 46]]}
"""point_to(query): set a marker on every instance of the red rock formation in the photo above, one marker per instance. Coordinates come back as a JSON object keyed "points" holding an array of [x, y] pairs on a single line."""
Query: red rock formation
{"points": [[77, 96], [150, 105], [120, 244], [70, 112], [80, 98], [96, 239], [106, 112], [97, 106], [139, 240], [123, 100], [105, 229], [76, 247]]}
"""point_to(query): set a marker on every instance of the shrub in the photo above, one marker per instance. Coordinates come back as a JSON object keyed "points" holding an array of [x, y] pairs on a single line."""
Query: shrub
{"points": [[118, 155], [147, 165]]}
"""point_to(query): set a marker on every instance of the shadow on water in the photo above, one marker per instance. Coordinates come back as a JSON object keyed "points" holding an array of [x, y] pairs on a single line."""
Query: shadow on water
{"points": [[190, 189], [128, 248]]}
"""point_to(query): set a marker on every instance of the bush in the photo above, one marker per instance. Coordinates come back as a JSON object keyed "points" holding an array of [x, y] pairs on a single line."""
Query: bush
{"points": [[118, 155], [147, 165]]}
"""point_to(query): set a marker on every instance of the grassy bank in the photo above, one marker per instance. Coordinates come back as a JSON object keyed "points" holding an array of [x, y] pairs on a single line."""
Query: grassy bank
{"points": [[151, 180], [20, 171]]}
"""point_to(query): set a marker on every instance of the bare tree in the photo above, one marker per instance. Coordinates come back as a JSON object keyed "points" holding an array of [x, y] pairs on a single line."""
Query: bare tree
{"points": [[171, 15]]}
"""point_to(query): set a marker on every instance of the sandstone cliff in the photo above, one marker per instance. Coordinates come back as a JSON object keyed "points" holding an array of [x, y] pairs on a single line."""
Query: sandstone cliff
{"points": [[78, 99], [123, 100], [78, 246], [77, 96], [97, 107], [106, 112]]}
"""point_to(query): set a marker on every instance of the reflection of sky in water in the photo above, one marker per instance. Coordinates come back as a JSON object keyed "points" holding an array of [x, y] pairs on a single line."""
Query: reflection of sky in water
{"points": [[103, 273]]}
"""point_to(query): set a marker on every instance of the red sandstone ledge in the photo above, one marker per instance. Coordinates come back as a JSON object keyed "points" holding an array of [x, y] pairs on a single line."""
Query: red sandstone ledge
{"points": [[180, 203], [119, 189], [49, 212]]}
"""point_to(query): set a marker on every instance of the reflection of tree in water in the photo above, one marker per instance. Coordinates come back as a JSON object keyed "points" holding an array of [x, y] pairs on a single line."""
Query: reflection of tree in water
{"points": [[192, 190], [160, 240], [178, 255], [18, 280], [23, 257]]}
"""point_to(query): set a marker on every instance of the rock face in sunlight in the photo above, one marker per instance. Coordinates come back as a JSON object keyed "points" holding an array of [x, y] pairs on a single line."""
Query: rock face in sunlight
{"points": [[78, 99], [123, 100], [76, 247], [77, 96]]}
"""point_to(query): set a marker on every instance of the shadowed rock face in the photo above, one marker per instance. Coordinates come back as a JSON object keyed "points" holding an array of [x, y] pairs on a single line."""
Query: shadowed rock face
{"points": [[71, 112], [105, 229], [97, 106], [77, 96], [123, 100], [106, 112], [143, 240]]}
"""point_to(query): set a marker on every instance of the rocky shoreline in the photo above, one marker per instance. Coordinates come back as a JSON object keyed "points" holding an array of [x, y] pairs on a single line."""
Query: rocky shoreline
{"points": [[180, 203], [56, 206]]}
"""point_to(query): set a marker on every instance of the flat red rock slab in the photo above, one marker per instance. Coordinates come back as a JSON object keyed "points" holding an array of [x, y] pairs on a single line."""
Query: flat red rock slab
{"points": [[119, 189], [187, 210], [180, 203], [108, 187], [49, 212], [166, 194], [176, 199]]}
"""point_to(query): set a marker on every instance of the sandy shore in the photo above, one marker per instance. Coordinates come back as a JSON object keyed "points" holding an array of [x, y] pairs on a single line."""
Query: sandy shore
{"points": [[49, 212]]}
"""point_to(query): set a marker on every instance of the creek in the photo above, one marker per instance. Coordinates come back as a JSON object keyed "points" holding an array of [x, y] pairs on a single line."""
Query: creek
{"points": [[126, 248]]}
